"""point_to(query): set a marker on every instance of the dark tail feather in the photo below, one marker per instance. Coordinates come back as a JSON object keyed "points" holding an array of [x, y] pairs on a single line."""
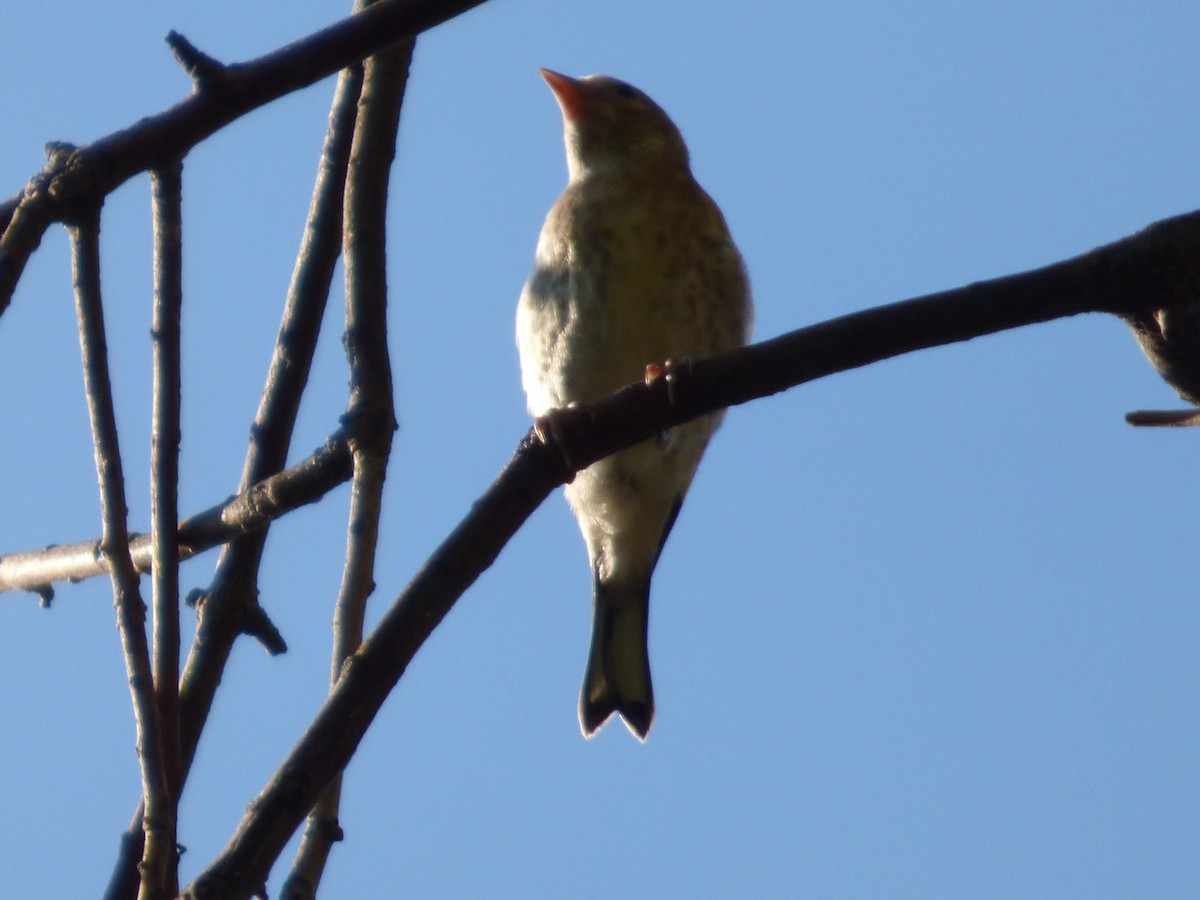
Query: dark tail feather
{"points": [[618, 671]]}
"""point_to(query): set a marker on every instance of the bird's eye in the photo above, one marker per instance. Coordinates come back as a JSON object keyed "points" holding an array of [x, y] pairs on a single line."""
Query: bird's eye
{"points": [[627, 91]]}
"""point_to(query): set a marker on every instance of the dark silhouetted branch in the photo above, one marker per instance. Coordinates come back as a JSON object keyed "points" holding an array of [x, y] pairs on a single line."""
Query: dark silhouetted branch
{"points": [[1157, 267], [370, 415], [97, 169], [114, 544], [306, 482], [160, 862]]}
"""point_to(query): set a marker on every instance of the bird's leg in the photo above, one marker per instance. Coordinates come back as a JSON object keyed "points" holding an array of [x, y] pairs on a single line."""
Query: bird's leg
{"points": [[559, 428], [676, 373]]}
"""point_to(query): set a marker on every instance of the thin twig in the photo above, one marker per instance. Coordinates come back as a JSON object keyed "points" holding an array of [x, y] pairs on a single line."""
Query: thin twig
{"points": [[370, 412], [232, 595], [204, 70], [230, 604], [160, 870], [131, 611], [1168, 418], [24, 225], [306, 482]]}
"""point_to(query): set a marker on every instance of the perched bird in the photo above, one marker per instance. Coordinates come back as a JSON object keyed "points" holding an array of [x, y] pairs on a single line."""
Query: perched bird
{"points": [[634, 268]]}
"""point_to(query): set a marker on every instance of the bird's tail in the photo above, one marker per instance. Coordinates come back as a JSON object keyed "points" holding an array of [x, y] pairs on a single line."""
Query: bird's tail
{"points": [[618, 670]]}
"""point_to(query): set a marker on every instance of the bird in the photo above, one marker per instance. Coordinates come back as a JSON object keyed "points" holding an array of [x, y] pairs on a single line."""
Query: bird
{"points": [[634, 270]]}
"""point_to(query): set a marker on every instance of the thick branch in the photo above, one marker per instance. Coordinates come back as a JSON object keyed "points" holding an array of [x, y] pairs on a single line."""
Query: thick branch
{"points": [[97, 169], [1143, 278], [1158, 266]]}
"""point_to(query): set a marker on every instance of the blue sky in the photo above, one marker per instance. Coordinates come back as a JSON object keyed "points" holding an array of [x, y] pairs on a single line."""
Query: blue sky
{"points": [[928, 629]]}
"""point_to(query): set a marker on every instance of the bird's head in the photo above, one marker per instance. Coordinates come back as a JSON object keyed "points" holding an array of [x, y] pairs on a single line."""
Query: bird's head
{"points": [[611, 125]]}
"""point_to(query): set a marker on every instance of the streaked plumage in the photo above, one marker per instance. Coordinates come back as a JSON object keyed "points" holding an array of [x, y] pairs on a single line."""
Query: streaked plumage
{"points": [[634, 266]]}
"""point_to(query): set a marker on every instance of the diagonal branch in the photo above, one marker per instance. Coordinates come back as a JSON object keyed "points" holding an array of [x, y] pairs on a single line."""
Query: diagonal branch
{"points": [[85, 173], [1157, 267], [230, 604], [370, 414], [306, 482], [309, 480]]}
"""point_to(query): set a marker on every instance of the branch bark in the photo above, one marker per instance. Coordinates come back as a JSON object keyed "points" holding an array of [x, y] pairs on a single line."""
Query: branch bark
{"points": [[1154, 269], [160, 862], [230, 605], [114, 545], [370, 412], [306, 482], [82, 174]]}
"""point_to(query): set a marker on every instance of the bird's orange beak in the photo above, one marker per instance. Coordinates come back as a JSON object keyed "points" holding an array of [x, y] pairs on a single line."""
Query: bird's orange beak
{"points": [[568, 92]]}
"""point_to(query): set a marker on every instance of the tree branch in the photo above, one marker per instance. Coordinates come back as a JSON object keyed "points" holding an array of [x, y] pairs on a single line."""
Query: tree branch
{"points": [[230, 604], [204, 71], [160, 871], [231, 601], [156, 141], [306, 482], [1156, 268], [370, 413], [114, 544]]}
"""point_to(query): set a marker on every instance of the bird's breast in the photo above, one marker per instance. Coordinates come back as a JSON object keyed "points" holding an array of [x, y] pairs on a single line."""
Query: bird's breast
{"points": [[629, 273]]}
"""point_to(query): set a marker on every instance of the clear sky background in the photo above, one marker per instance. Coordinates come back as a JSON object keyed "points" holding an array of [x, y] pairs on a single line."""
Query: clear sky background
{"points": [[924, 630]]}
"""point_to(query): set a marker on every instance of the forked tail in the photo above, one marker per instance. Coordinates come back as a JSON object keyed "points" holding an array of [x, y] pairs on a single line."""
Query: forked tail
{"points": [[617, 679]]}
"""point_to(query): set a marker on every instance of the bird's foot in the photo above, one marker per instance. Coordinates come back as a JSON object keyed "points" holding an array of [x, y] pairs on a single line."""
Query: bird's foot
{"points": [[560, 428], [675, 371]]}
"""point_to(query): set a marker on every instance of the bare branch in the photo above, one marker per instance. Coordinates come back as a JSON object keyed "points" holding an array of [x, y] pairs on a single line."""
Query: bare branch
{"points": [[306, 482], [309, 480], [25, 220], [160, 870], [370, 413], [126, 878], [204, 71], [114, 545], [1173, 418], [160, 139], [230, 604], [1155, 267]]}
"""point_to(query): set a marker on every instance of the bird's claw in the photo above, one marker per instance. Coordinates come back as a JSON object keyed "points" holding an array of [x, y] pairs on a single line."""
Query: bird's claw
{"points": [[558, 429], [675, 371]]}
